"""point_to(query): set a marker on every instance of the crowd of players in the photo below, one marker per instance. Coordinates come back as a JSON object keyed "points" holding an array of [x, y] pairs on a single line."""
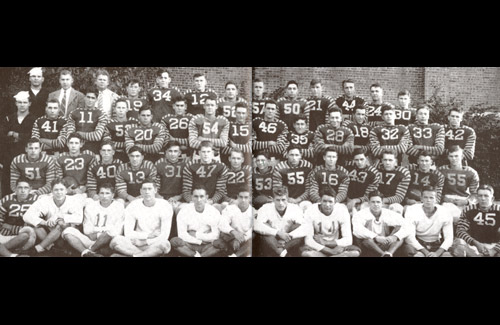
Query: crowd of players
{"points": [[169, 174]]}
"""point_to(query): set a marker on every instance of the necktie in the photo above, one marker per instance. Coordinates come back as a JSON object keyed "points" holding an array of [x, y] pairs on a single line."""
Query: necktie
{"points": [[63, 102], [100, 100]]}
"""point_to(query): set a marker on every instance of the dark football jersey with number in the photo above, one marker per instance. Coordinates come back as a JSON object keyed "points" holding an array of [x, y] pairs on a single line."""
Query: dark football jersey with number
{"points": [[258, 107], [238, 179], [170, 177], [288, 108], [196, 99], [46, 128], [264, 131], [362, 181], [374, 113], [115, 132], [318, 110], [134, 104], [347, 105], [464, 137], [321, 177], [262, 183], [100, 173], [240, 134], [12, 212], [419, 179], [177, 127], [361, 132], [295, 178], [92, 121], [459, 182], [76, 167], [130, 180], [483, 226], [198, 173], [304, 141], [161, 101], [394, 183], [226, 107], [405, 116], [39, 173]]}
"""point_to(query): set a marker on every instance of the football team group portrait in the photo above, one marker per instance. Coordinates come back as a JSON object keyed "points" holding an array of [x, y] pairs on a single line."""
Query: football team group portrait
{"points": [[249, 162]]}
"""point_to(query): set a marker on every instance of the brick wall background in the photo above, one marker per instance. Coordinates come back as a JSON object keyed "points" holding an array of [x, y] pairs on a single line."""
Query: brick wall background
{"points": [[471, 85]]}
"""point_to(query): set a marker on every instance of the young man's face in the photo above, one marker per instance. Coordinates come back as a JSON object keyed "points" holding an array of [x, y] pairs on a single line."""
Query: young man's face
{"points": [[135, 158], [236, 160], [231, 91], [180, 107], [200, 198], [294, 157], [59, 191], [133, 90], [36, 79], [121, 110], [33, 150], [349, 89], [164, 80], [280, 202], [148, 191], [389, 162], [423, 116], [389, 117], [102, 82], [210, 107], [377, 93], [241, 114], [262, 162], [243, 200], [173, 153], [200, 83], [484, 198], [90, 99], [455, 118], [455, 158], [52, 110], [327, 203], [66, 81], [74, 145], [300, 126], [206, 154], [375, 204], [23, 190], [317, 90], [23, 105], [107, 152], [145, 117], [428, 199], [424, 163], [258, 89], [106, 195], [360, 116], [335, 119], [360, 161], [270, 111], [404, 101], [330, 159], [292, 90]]}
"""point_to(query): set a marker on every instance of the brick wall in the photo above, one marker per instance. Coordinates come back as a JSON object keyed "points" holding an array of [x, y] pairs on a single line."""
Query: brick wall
{"points": [[470, 85]]}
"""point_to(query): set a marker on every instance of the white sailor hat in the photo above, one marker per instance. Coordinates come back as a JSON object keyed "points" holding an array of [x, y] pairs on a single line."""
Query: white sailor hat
{"points": [[35, 71], [22, 95]]}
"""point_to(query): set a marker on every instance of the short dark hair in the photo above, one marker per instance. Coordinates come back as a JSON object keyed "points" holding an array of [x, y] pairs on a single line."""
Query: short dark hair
{"points": [[455, 109], [159, 72], [358, 151], [486, 187], [262, 153], [376, 85], [386, 108], [314, 82], [270, 101], [23, 179], [428, 188], [136, 149], [197, 75], [145, 108], [358, 106], [231, 83], [32, 141], [76, 136], [375, 193], [53, 100], [389, 152], [327, 191], [454, 148], [334, 110], [404, 92], [299, 117], [134, 81], [347, 81], [107, 185], [294, 147], [280, 191], [292, 82], [173, 143], [257, 80], [240, 104], [424, 153], [55, 182], [199, 187], [330, 149], [106, 143]]}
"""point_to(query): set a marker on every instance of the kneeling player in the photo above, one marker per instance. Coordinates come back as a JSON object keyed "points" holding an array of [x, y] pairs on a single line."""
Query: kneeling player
{"points": [[330, 229], [236, 225], [102, 221], [428, 221], [147, 225], [197, 226]]}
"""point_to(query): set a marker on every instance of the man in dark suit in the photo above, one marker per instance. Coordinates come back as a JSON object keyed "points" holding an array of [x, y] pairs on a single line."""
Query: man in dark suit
{"points": [[69, 98], [38, 94]]}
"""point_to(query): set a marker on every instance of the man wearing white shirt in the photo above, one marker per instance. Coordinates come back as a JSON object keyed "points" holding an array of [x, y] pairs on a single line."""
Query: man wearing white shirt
{"points": [[236, 225], [280, 226], [52, 214], [329, 228], [147, 225], [106, 98], [68, 98], [198, 227], [380, 230], [102, 221], [428, 220]]}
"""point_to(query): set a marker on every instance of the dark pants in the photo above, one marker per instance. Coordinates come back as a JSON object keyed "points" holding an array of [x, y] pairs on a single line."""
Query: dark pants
{"points": [[270, 246]]}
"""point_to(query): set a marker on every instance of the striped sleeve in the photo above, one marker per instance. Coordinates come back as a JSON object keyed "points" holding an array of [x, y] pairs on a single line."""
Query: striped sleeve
{"points": [[319, 142], [153, 171], [50, 176], [470, 144], [62, 138], [187, 182], [375, 146], [373, 185], [3, 211], [463, 226], [474, 183], [106, 136], [220, 187], [96, 135], [223, 139], [343, 187], [158, 142], [438, 147], [193, 133], [121, 184], [129, 140], [348, 146], [282, 141], [439, 185], [313, 185], [277, 178], [35, 131], [305, 195], [403, 142], [402, 187], [15, 173], [91, 180]]}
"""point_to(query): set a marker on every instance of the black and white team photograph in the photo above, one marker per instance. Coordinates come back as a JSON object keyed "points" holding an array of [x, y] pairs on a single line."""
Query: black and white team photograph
{"points": [[249, 162]]}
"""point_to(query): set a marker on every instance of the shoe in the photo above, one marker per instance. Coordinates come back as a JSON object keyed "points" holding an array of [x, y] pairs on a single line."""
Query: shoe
{"points": [[92, 254], [387, 254]]}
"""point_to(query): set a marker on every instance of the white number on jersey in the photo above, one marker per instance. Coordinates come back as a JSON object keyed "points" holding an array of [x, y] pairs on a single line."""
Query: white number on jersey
{"points": [[74, 164], [459, 135], [109, 172], [18, 210], [208, 129], [47, 127], [170, 171], [181, 123], [426, 133], [295, 178], [332, 179], [332, 135], [263, 183], [389, 134], [362, 132], [291, 108], [269, 128], [242, 130], [487, 220], [32, 173], [235, 178], [158, 96], [203, 173], [143, 135], [457, 179]]}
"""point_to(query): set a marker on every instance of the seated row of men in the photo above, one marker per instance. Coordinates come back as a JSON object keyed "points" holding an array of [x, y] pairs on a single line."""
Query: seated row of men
{"points": [[38, 226], [426, 230]]}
